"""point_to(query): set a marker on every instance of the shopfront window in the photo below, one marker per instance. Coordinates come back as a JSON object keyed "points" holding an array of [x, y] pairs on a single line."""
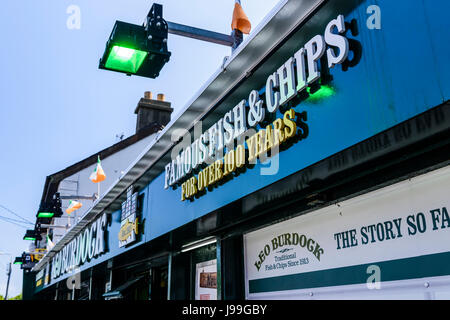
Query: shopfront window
{"points": [[204, 273]]}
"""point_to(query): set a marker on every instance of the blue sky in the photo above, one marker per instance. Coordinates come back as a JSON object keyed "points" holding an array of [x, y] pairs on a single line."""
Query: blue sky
{"points": [[57, 107]]}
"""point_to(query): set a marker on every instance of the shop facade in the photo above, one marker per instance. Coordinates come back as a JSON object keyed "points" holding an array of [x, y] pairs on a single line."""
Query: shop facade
{"points": [[312, 165]]}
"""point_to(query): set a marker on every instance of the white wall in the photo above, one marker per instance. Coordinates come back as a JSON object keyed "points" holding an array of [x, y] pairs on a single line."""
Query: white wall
{"points": [[80, 184]]}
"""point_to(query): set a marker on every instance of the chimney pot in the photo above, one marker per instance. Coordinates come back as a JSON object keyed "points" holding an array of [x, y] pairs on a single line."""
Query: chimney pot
{"points": [[161, 97], [148, 95]]}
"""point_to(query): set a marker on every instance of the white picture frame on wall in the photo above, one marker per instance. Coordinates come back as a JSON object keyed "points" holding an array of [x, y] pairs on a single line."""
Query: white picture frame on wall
{"points": [[206, 280]]}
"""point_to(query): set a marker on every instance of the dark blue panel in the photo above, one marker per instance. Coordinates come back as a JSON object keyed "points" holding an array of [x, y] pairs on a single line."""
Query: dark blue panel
{"points": [[438, 26], [404, 71]]}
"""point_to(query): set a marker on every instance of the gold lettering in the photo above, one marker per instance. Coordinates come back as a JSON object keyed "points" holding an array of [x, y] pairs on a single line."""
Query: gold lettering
{"points": [[201, 184], [183, 191], [278, 132], [193, 183], [211, 179], [240, 156], [290, 126], [231, 163], [218, 170], [260, 142], [268, 143], [251, 143]]}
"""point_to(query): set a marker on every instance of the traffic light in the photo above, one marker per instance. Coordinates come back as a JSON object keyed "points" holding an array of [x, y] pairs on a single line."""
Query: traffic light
{"points": [[18, 260], [56, 206], [27, 261], [51, 210], [45, 211], [138, 50], [32, 235]]}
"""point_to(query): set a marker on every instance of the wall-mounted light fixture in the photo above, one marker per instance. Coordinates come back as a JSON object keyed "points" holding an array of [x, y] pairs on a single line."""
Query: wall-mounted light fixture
{"points": [[198, 244]]}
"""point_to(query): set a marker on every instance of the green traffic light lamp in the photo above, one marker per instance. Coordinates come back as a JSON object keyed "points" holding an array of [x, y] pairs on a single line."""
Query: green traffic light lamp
{"points": [[142, 50], [45, 213], [50, 210], [138, 50], [32, 235], [18, 260]]}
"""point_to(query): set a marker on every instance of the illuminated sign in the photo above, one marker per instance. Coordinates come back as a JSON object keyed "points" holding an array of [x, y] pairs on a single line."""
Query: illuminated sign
{"points": [[129, 220], [47, 275], [280, 132], [215, 148], [40, 277], [39, 254]]}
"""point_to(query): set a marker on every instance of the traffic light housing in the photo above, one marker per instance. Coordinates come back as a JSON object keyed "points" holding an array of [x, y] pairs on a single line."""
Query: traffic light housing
{"points": [[18, 260], [56, 206], [138, 50], [28, 261], [32, 235], [47, 211]]}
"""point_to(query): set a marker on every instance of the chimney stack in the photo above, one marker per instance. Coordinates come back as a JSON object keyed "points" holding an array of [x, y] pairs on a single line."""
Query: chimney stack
{"points": [[151, 111]]}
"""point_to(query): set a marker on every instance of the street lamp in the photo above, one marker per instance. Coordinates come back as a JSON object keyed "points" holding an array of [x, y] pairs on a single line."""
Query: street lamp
{"points": [[142, 50]]}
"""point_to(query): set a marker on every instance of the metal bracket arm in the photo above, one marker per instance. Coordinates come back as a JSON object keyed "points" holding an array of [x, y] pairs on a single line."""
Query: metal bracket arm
{"points": [[200, 34], [93, 197]]}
